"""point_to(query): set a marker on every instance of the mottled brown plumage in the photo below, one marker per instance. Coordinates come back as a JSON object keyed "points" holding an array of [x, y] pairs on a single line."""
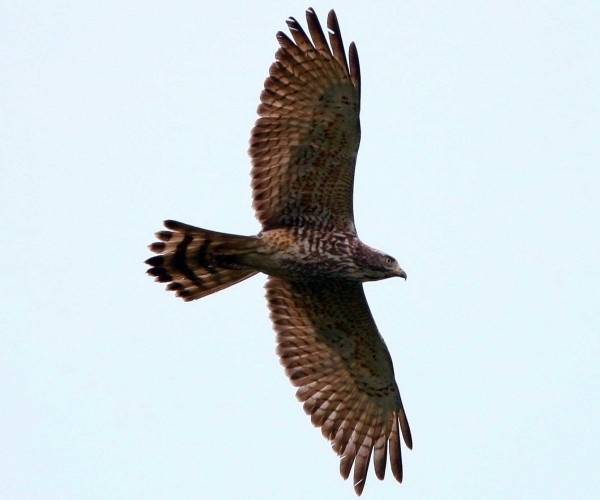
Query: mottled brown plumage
{"points": [[304, 144], [303, 149], [331, 349]]}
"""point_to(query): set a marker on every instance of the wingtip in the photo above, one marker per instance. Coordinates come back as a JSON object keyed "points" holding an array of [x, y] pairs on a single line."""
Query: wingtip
{"points": [[405, 430], [336, 41], [346, 462], [359, 487]]}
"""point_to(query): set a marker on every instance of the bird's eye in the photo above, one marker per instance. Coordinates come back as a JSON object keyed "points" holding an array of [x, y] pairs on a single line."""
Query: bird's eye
{"points": [[389, 261]]}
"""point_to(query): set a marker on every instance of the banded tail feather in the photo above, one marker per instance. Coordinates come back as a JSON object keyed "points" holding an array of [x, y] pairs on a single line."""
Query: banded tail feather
{"points": [[196, 262]]}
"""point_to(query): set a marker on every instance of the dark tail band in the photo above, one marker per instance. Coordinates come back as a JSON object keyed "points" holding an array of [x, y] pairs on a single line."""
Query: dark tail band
{"points": [[196, 262]]}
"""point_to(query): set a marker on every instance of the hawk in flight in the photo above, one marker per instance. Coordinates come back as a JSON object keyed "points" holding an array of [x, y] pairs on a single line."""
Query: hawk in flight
{"points": [[303, 149]]}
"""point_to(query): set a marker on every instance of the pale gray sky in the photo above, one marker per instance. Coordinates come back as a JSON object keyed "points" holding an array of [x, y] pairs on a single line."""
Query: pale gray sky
{"points": [[479, 170]]}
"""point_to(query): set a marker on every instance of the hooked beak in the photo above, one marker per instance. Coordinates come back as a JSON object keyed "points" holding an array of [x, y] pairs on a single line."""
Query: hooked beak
{"points": [[400, 272]]}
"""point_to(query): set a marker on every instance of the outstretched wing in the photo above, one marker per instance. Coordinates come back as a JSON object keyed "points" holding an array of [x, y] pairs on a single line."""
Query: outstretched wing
{"points": [[304, 144], [331, 349]]}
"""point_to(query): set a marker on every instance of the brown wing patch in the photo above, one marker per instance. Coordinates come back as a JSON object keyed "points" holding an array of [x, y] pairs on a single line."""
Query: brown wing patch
{"points": [[304, 144], [331, 350]]}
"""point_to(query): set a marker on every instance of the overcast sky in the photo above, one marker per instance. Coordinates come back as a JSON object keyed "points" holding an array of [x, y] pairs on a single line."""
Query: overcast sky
{"points": [[479, 170]]}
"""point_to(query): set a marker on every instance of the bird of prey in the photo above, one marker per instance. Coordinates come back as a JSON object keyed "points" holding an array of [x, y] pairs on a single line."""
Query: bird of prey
{"points": [[303, 149]]}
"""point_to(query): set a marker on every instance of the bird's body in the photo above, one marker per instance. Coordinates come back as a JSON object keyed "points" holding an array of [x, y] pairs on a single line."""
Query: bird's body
{"points": [[304, 147], [299, 253]]}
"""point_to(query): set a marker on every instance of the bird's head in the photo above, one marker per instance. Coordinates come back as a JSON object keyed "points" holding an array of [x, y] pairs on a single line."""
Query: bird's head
{"points": [[378, 265], [390, 267]]}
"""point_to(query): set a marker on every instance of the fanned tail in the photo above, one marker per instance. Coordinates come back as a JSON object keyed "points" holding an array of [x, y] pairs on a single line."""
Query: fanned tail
{"points": [[196, 262]]}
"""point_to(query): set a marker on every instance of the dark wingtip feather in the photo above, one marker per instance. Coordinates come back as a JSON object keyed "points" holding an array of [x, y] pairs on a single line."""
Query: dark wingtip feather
{"points": [[346, 465], [298, 34], [292, 23], [380, 457], [395, 452], [335, 39], [354, 67], [361, 469], [281, 36], [359, 486], [405, 428], [316, 32]]}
